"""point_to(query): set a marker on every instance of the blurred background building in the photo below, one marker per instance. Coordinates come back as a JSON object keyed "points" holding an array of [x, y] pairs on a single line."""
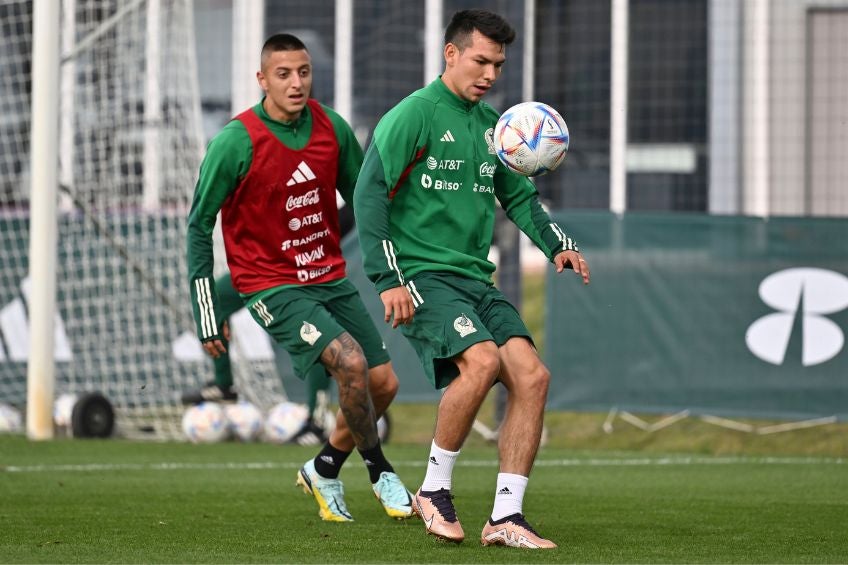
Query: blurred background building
{"points": [[734, 106]]}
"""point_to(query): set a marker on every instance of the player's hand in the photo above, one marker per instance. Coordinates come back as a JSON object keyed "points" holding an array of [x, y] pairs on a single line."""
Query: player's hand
{"points": [[399, 306], [217, 347], [575, 261]]}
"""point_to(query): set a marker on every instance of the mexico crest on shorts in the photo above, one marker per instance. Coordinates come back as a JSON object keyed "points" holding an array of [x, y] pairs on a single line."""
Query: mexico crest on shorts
{"points": [[464, 326], [309, 333]]}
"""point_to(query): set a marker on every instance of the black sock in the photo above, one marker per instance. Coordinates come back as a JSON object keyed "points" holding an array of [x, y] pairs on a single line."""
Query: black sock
{"points": [[376, 462], [329, 461]]}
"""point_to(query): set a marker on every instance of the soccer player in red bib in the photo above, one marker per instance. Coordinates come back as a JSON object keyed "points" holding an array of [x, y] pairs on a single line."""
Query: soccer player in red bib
{"points": [[272, 172]]}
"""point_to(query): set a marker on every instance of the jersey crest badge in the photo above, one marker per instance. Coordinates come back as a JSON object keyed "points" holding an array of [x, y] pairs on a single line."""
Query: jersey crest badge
{"points": [[309, 333], [464, 326]]}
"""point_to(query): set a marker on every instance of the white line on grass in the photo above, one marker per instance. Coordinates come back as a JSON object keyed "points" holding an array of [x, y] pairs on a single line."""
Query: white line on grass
{"points": [[263, 465]]}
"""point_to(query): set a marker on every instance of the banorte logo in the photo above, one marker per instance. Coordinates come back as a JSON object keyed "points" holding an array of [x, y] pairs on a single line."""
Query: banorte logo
{"points": [[811, 293]]}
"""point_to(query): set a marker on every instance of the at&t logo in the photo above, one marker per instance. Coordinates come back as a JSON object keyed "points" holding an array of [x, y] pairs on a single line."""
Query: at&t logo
{"points": [[807, 292]]}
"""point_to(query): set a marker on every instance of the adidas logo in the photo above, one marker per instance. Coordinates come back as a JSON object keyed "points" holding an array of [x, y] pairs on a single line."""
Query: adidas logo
{"points": [[14, 330], [505, 490], [433, 460], [303, 173], [447, 136], [328, 459]]}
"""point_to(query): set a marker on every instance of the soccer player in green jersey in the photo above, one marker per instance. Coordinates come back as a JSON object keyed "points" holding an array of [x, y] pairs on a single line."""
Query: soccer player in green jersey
{"points": [[222, 389], [272, 172], [425, 212]]}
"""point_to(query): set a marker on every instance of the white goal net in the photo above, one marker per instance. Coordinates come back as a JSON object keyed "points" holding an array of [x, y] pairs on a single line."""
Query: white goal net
{"points": [[130, 144]]}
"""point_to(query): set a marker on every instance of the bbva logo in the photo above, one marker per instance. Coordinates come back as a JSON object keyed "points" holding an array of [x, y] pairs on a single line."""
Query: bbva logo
{"points": [[811, 293]]}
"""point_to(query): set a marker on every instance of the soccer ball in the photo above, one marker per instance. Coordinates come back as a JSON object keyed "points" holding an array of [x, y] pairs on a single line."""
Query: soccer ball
{"points": [[284, 421], [384, 428], [205, 423], [244, 420], [531, 139], [63, 411], [10, 419]]}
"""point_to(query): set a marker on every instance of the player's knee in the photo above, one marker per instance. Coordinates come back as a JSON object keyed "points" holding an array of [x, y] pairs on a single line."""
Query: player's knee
{"points": [[350, 369], [384, 384], [537, 381], [355, 364], [483, 362], [490, 367], [390, 388]]}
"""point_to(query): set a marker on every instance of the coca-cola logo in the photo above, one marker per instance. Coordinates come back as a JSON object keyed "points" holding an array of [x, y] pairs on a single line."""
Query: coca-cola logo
{"points": [[307, 199]]}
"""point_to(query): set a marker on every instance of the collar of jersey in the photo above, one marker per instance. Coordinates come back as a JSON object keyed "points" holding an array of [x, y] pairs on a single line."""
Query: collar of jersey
{"points": [[294, 124], [448, 96]]}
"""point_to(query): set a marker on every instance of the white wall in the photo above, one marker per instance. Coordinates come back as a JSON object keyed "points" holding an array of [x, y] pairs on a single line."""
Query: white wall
{"points": [[787, 106]]}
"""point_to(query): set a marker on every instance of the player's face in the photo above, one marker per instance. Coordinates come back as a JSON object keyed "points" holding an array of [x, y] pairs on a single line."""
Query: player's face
{"points": [[472, 72], [286, 78]]}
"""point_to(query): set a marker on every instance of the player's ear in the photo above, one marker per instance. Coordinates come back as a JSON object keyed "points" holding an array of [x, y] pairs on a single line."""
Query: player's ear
{"points": [[451, 53], [260, 78]]}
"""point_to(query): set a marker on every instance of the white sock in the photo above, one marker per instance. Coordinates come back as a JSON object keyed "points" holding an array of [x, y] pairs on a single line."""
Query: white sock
{"points": [[509, 495], [439, 469]]}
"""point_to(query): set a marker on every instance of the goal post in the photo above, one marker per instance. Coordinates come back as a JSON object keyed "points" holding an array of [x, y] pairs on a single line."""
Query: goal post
{"points": [[44, 181], [94, 291]]}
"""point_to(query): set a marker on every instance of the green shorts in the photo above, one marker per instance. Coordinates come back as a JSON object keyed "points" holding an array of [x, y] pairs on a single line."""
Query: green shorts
{"points": [[452, 314], [305, 319]]}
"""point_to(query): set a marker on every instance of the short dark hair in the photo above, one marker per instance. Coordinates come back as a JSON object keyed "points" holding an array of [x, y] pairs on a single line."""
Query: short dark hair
{"points": [[464, 22], [281, 42]]}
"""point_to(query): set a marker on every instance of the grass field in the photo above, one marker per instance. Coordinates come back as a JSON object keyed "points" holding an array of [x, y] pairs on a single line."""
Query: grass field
{"points": [[115, 501]]}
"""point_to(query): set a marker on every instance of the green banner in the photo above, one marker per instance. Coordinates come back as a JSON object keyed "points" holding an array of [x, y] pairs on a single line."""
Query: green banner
{"points": [[728, 316]]}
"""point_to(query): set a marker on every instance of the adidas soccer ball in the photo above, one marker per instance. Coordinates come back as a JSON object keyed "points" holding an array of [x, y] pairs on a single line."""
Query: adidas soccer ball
{"points": [[284, 421], [10, 419], [531, 139], [244, 420], [205, 423]]}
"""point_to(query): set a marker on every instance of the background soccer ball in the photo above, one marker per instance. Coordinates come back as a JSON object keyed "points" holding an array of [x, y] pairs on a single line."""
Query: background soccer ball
{"points": [[531, 138], [10, 419], [284, 421], [244, 420], [205, 423], [63, 410], [384, 428]]}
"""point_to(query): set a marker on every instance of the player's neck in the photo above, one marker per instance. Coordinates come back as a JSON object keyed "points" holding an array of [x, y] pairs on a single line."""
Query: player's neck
{"points": [[278, 114], [451, 85]]}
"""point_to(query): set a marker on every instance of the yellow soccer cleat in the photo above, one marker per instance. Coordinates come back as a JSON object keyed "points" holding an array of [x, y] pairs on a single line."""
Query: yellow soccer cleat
{"points": [[328, 493], [393, 495]]}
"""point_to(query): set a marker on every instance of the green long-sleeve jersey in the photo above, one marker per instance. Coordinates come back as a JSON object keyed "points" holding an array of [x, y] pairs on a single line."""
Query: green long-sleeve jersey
{"points": [[425, 198], [228, 159]]}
